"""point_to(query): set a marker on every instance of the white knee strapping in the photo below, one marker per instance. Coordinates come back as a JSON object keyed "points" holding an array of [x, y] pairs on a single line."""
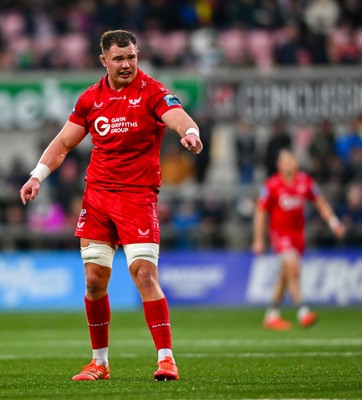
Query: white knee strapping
{"points": [[144, 251], [289, 253], [98, 253]]}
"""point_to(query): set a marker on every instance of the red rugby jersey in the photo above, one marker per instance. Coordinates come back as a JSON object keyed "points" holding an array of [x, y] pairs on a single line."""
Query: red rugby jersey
{"points": [[127, 132], [285, 201]]}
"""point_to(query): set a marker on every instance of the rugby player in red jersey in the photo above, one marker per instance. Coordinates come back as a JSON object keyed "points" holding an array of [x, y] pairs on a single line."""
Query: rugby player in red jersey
{"points": [[282, 199], [126, 113]]}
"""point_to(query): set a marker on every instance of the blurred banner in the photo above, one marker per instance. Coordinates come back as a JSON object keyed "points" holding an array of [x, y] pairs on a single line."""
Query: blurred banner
{"points": [[55, 280], [295, 97], [239, 278], [28, 103]]}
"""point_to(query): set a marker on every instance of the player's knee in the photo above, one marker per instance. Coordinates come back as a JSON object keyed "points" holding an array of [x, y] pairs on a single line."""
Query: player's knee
{"points": [[141, 251], [144, 274], [97, 279], [98, 253]]}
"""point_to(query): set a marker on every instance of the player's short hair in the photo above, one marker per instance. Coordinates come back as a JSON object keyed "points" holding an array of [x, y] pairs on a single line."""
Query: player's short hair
{"points": [[119, 37]]}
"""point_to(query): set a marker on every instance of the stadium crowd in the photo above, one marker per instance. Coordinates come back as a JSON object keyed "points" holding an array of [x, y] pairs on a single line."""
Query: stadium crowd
{"points": [[201, 34], [195, 34]]}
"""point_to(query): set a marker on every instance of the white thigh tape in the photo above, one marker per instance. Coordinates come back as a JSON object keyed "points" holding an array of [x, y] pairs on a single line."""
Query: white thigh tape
{"points": [[98, 253], [144, 251]]}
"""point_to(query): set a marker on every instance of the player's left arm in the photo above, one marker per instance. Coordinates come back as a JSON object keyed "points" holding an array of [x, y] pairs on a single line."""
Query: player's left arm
{"points": [[326, 212], [179, 121]]}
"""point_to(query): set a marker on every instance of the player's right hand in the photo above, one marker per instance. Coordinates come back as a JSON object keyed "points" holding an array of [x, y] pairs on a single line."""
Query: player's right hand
{"points": [[339, 230], [30, 190]]}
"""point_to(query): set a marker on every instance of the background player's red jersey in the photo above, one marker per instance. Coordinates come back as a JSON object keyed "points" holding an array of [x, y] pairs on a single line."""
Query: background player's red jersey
{"points": [[126, 135], [285, 202]]}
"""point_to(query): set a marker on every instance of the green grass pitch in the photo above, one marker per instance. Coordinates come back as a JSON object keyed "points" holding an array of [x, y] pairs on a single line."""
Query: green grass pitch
{"points": [[221, 354]]}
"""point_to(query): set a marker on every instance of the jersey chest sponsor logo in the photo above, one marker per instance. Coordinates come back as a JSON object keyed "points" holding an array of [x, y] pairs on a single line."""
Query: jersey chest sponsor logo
{"points": [[102, 126], [289, 202]]}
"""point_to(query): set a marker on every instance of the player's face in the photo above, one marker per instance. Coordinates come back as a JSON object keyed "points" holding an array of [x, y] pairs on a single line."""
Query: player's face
{"points": [[287, 163], [121, 64]]}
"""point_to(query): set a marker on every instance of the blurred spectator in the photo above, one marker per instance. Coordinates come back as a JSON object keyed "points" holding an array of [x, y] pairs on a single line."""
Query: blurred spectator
{"points": [[355, 165], [350, 211], [202, 161], [176, 165], [289, 49], [348, 141], [185, 221], [46, 216], [245, 151], [339, 174], [233, 44], [213, 216], [268, 15], [321, 151], [67, 186], [16, 176], [352, 12], [162, 15], [242, 13], [113, 14], [321, 16], [279, 139], [261, 48]]}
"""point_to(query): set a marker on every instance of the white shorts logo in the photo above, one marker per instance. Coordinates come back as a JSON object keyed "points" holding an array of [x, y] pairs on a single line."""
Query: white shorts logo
{"points": [[101, 128], [81, 220], [144, 233]]}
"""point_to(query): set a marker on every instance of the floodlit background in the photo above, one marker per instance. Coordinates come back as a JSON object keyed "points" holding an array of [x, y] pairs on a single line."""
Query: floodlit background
{"points": [[255, 74]]}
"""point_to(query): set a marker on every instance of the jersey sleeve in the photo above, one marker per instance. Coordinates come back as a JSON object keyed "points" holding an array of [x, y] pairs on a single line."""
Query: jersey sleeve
{"points": [[313, 190], [263, 201], [79, 113], [162, 100]]}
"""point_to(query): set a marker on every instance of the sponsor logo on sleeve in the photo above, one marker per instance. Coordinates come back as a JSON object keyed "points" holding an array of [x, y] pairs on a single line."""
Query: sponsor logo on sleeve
{"points": [[171, 100]]}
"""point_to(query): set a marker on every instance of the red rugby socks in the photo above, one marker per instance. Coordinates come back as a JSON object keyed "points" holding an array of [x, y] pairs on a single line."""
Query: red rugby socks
{"points": [[98, 316], [158, 320]]}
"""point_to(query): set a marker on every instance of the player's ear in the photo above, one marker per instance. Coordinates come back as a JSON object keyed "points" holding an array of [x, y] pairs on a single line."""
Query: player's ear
{"points": [[103, 60]]}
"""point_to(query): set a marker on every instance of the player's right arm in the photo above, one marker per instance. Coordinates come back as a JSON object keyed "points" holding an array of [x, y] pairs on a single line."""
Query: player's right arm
{"points": [[259, 226], [52, 158]]}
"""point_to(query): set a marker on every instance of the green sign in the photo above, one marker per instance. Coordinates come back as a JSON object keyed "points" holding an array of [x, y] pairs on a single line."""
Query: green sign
{"points": [[28, 104]]}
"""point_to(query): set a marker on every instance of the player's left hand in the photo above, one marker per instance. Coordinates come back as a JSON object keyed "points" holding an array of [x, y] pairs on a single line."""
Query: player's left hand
{"points": [[193, 143]]}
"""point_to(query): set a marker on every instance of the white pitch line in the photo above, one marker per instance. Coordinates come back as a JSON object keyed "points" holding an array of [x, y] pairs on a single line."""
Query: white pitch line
{"points": [[271, 355], [196, 342], [197, 355], [274, 342]]}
